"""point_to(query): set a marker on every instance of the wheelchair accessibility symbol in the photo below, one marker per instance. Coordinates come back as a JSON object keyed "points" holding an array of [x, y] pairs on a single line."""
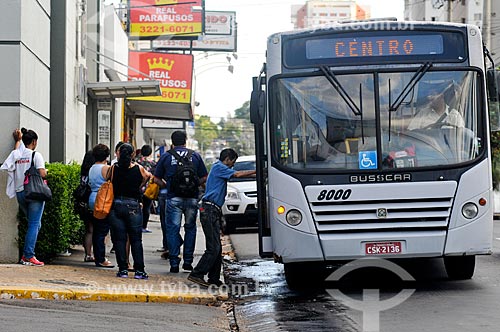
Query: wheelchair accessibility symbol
{"points": [[367, 160]]}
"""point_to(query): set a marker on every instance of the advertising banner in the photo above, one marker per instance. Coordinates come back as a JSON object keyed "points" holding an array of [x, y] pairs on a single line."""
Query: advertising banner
{"points": [[220, 35], [150, 19], [173, 71]]}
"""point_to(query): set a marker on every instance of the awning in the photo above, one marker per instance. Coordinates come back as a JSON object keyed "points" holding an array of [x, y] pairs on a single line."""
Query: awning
{"points": [[159, 110], [123, 89]]}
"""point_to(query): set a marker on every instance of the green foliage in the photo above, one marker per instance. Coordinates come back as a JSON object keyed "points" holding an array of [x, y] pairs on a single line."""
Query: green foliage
{"points": [[243, 112], [495, 156], [61, 226], [206, 131]]}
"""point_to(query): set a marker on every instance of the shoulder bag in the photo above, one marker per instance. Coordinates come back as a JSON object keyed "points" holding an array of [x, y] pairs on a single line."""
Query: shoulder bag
{"points": [[35, 188], [104, 198]]}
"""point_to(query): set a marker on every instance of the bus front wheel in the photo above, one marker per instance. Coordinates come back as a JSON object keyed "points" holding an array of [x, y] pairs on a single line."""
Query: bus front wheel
{"points": [[460, 267]]}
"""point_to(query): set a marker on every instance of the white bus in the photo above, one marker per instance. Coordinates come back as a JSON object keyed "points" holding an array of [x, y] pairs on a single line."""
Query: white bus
{"points": [[373, 140]]}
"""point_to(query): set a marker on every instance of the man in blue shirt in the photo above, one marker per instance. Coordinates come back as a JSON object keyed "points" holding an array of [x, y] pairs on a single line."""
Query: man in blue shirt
{"points": [[177, 206], [215, 193]]}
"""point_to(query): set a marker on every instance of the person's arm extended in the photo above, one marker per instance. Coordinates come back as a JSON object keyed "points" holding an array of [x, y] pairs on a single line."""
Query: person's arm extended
{"points": [[242, 174], [160, 182]]}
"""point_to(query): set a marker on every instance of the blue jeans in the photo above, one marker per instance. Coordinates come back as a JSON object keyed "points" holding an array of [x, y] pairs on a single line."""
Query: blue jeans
{"points": [[211, 261], [101, 229], [33, 210], [162, 203], [125, 219], [176, 208]]}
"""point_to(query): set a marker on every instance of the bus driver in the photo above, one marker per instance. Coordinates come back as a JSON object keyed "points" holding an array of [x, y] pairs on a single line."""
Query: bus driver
{"points": [[439, 110]]}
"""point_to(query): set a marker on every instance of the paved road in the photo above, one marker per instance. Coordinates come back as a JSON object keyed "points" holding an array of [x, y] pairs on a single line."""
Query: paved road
{"points": [[437, 304]]}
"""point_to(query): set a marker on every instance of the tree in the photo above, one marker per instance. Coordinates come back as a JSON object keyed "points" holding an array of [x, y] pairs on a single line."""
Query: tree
{"points": [[243, 112], [205, 132]]}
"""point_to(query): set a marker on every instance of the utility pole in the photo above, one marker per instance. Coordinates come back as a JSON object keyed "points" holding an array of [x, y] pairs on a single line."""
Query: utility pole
{"points": [[487, 23], [450, 10]]}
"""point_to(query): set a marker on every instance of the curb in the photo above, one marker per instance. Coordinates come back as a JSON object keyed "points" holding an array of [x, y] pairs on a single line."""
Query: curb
{"points": [[98, 295]]}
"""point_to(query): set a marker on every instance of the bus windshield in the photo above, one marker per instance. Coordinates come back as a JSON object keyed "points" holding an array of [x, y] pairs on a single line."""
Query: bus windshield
{"points": [[437, 123]]}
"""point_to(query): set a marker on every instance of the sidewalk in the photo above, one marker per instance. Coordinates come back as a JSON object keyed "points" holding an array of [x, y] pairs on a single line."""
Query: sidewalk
{"points": [[69, 278]]}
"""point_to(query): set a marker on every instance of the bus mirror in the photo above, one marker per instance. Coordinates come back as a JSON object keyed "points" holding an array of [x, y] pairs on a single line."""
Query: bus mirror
{"points": [[492, 77], [257, 107]]}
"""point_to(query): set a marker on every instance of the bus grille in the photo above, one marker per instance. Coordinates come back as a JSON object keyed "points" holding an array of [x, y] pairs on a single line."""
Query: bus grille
{"points": [[378, 213]]}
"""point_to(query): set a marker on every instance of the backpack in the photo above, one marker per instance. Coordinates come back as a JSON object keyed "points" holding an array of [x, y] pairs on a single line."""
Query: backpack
{"points": [[184, 182], [81, 197]]}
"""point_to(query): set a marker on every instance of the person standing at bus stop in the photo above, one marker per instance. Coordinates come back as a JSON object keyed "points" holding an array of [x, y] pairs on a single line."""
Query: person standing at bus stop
{"points": [[179, 203], [210, 217]]}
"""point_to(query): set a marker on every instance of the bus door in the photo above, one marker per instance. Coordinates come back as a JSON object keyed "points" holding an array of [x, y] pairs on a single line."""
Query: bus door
{"points": [[258, 118]]}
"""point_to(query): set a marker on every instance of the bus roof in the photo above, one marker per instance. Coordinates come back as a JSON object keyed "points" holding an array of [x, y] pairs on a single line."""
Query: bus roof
{"points": [[374, 24]]}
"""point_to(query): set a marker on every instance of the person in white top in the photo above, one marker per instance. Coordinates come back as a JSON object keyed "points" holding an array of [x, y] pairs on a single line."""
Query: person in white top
{"points": [[18, 162], [440, 111]]}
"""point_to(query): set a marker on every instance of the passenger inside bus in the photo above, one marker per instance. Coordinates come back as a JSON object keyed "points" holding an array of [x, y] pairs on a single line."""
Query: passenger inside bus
{"points": [[440, 110]]}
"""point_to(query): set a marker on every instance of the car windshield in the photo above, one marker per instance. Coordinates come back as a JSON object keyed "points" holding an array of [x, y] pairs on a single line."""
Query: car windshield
{"points": [[436, 121], [243, 166]]}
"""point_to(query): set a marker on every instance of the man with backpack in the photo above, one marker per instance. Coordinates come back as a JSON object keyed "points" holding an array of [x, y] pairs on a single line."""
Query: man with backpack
{"points": [[183, 171]]}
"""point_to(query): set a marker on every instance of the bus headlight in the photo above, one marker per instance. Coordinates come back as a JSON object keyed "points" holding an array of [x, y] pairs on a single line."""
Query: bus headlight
{"points": [[470, 210], [294, 217]]}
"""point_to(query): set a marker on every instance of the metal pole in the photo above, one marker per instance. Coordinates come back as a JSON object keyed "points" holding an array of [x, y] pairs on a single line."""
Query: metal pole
{"points": [[487, 24], [449, 11]]}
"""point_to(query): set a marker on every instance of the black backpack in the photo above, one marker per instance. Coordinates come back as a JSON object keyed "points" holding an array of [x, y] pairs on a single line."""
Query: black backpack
{"points": [[184, 182], [81, 197]]}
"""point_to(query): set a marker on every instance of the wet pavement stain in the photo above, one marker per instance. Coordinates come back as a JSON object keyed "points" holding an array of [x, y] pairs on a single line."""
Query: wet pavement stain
{"points": [[265, 304]]}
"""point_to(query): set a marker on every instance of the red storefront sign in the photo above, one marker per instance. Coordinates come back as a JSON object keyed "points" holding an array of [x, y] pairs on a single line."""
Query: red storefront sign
{"points": [[174, 71]]}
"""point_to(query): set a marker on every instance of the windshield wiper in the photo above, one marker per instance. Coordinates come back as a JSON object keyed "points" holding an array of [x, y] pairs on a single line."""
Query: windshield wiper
{"points": [[330, 76], [393, 107], [409, 86], [358, 111]]}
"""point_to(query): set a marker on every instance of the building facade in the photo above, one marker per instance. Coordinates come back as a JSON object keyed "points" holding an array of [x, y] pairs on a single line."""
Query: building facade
{"points": [[483, 13], [315, 13]]}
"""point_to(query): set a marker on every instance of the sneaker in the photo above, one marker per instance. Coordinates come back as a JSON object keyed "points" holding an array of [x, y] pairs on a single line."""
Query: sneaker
{"points": [[161, 249], [145, 230], [198, 280], [217, 283], [187, 267], [165, 255], [122, 274], [141, 275], [89, 258], [31, 261], [174, 269], [65, 253]]}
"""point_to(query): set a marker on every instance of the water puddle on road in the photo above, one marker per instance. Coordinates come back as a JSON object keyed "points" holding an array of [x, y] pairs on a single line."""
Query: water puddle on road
{"points": [[264, 302]]}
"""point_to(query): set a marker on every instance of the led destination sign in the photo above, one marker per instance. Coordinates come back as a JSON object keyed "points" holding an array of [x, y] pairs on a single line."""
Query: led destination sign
{"points": [[333, 48]]}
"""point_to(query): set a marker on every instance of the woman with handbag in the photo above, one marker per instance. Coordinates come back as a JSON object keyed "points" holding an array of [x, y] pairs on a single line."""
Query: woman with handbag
{"points": [[149, 164], [86, 215], [126, 213], [98, 174], [32, 209]]}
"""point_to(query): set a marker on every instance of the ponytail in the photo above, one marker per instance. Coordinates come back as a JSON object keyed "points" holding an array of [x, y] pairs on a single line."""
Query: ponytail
{"points": [[28, 136], [126, 154]]}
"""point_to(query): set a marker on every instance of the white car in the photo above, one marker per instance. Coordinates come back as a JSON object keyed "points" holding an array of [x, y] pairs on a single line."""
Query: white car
{"points": [[240, 206]]}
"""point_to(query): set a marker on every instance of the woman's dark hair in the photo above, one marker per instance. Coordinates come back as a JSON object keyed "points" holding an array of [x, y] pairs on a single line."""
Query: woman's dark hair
{"points": [[88, 161], [117, 146], [28, 136], [146, 150], [228, 153], [126, 154], [100, 152]]}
